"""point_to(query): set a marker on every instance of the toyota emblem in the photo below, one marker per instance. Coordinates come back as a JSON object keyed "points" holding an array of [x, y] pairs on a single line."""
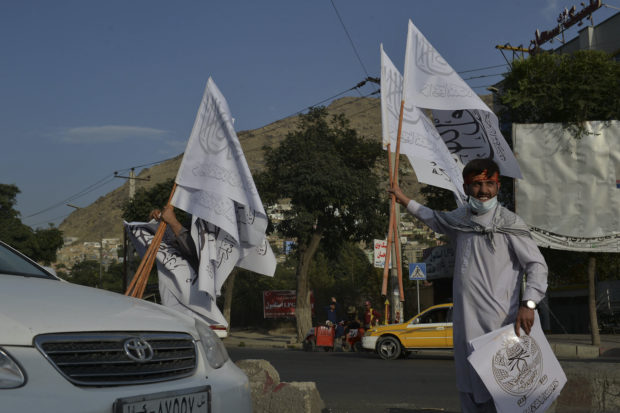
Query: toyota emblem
{"points": [[138, 349]]}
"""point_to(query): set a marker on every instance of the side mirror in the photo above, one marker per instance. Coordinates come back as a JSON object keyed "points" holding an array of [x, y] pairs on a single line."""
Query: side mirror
{"points": [[416, 321]]}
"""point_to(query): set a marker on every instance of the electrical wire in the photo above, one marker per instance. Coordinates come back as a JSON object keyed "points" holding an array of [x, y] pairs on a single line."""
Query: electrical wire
{"points": [[48, 220], [481, 76], [267, 129], [109, 178], [90, 188], [482, 68], [77, 195], [480, 87], [350, 39]]}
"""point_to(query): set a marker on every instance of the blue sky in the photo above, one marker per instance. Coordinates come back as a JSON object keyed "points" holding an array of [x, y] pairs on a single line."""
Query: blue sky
{"points": [[92, 87]]}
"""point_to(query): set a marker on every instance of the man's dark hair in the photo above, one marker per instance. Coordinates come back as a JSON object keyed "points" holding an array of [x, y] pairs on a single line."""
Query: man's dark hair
{"points": [[477, 166]]}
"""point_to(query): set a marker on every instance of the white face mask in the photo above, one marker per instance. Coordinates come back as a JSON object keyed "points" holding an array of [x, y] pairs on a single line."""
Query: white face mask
{"points": [[481, 207]]}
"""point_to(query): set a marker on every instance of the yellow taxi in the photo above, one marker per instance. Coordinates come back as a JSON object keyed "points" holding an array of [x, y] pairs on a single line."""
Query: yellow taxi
{"points": [[431, 329]]}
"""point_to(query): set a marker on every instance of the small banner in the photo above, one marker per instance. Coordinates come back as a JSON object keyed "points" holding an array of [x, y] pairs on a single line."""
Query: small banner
{"points": [[380, 252], [282, 303], [521, 373]]}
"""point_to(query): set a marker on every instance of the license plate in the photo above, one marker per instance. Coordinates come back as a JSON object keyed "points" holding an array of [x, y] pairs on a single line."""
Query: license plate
{"points": [[194, 400]]}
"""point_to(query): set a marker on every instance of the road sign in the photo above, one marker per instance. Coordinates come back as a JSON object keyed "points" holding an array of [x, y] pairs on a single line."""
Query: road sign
{"points": [[417, 271]]}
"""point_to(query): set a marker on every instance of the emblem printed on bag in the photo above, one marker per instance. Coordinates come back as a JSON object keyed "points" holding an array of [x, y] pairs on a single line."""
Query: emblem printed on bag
{"points": [[518, 365]]}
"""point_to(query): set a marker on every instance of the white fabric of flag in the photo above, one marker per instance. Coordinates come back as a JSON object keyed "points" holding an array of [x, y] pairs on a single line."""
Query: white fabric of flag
{"points": [[467, 125], [521, 373], [215, 185], [420, 141], [178, 287]]}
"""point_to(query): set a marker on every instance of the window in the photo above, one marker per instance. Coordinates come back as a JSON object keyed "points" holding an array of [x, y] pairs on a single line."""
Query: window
{"points": [[13, 263]]}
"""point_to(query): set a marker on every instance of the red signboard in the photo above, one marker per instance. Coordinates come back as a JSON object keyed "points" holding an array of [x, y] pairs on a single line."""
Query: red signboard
{"points": [[281, 303]]}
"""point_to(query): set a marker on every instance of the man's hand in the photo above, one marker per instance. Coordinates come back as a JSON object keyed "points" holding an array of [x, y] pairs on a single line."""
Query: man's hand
{"points": [[155, 214], [401, 198], [168, 216], [525, 320]]}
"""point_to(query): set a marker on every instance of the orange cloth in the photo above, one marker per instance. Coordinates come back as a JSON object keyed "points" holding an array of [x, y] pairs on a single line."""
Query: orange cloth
{"points": [[483, 176]]}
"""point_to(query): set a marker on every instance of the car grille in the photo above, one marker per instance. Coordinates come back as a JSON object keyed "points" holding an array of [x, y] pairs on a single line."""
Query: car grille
{"points": [[101, 359]]}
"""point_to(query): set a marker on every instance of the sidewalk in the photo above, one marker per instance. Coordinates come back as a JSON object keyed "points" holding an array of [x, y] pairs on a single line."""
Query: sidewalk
{"points": [[580, 346], [565, 346], [262, 339]]}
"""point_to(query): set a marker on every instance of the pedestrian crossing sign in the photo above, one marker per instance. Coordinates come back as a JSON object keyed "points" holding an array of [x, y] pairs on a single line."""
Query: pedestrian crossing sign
{"points": [[417, 271]]}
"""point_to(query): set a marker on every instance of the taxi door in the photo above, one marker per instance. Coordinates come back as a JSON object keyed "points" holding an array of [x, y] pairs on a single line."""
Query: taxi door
{"points": [[430, 329]]}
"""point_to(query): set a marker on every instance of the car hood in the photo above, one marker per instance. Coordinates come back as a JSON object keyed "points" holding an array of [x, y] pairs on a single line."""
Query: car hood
{"points": [[394, 328], [31, 306]]}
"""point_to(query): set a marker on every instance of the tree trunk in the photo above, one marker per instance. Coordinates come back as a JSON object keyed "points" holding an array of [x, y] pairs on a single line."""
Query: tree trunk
{"points": [[596, 338], [229, 286], [303, 309]]}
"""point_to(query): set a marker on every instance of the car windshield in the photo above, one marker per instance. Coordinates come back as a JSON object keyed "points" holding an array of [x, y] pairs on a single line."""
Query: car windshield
{"points": [[13, 263]]}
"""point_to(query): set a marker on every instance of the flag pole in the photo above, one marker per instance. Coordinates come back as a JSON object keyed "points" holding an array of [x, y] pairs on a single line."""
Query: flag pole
{"points": [[388, 250], [399, 266], [138, 283], [393, 224]]}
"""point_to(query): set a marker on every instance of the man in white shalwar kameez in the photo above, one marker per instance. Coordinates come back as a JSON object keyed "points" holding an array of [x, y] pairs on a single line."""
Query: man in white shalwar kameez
{"points": [[494, 250]]}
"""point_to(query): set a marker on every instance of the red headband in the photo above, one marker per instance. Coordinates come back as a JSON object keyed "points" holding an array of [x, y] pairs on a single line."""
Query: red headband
{"points": [[483, 176]]}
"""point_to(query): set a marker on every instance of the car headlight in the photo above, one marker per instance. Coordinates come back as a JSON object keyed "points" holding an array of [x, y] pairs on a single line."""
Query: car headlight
{"points": [[11, 375], [212, 345]]}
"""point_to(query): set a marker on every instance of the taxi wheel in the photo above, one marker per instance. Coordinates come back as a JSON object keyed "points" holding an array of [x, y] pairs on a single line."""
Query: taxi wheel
{"points": [[388, 348]]}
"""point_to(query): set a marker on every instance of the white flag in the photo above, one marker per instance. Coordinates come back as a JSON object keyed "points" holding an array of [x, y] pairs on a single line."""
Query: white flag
{"points": [[178, 286], [215, 185], [420, 141], [431, 83]]}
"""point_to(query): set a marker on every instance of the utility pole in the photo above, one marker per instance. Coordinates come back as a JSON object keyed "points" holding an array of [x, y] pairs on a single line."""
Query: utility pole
{"points": [[127, 246], [132, 181]]}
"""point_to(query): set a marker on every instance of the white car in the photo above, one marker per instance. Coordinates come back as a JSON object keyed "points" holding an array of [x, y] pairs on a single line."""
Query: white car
{"points": [[68, 348]]}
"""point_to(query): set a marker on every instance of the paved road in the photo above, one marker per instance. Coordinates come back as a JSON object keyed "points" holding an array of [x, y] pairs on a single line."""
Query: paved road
{"points": [[363, 383]]}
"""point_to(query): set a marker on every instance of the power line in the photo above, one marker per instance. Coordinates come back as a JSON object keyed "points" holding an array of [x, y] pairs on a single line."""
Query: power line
{"points": [[482, 68], [108, 178], [356, 87], [481, 76], [49, 220], [79, 194], [90, 188], [350, 39], [480, 87]]}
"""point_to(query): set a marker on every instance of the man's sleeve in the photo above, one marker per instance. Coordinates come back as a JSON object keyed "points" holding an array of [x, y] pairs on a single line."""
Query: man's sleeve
{"points": [[534, 265], [427, 216]]}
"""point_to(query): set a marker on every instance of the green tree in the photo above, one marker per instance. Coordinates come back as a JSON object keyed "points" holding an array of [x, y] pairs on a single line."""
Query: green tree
{"points": [[562, 88], [146, 200], [87, 273], [40, 245], [326, 170], [348, 275], [570, 89]]}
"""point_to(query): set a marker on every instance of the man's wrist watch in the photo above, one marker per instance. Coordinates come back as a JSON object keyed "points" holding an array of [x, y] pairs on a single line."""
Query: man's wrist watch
{"points": [[529, 304]]}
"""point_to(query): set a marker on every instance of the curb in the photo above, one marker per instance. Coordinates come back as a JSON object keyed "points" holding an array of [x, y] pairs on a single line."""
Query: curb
{"points": [[270, 395]]}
